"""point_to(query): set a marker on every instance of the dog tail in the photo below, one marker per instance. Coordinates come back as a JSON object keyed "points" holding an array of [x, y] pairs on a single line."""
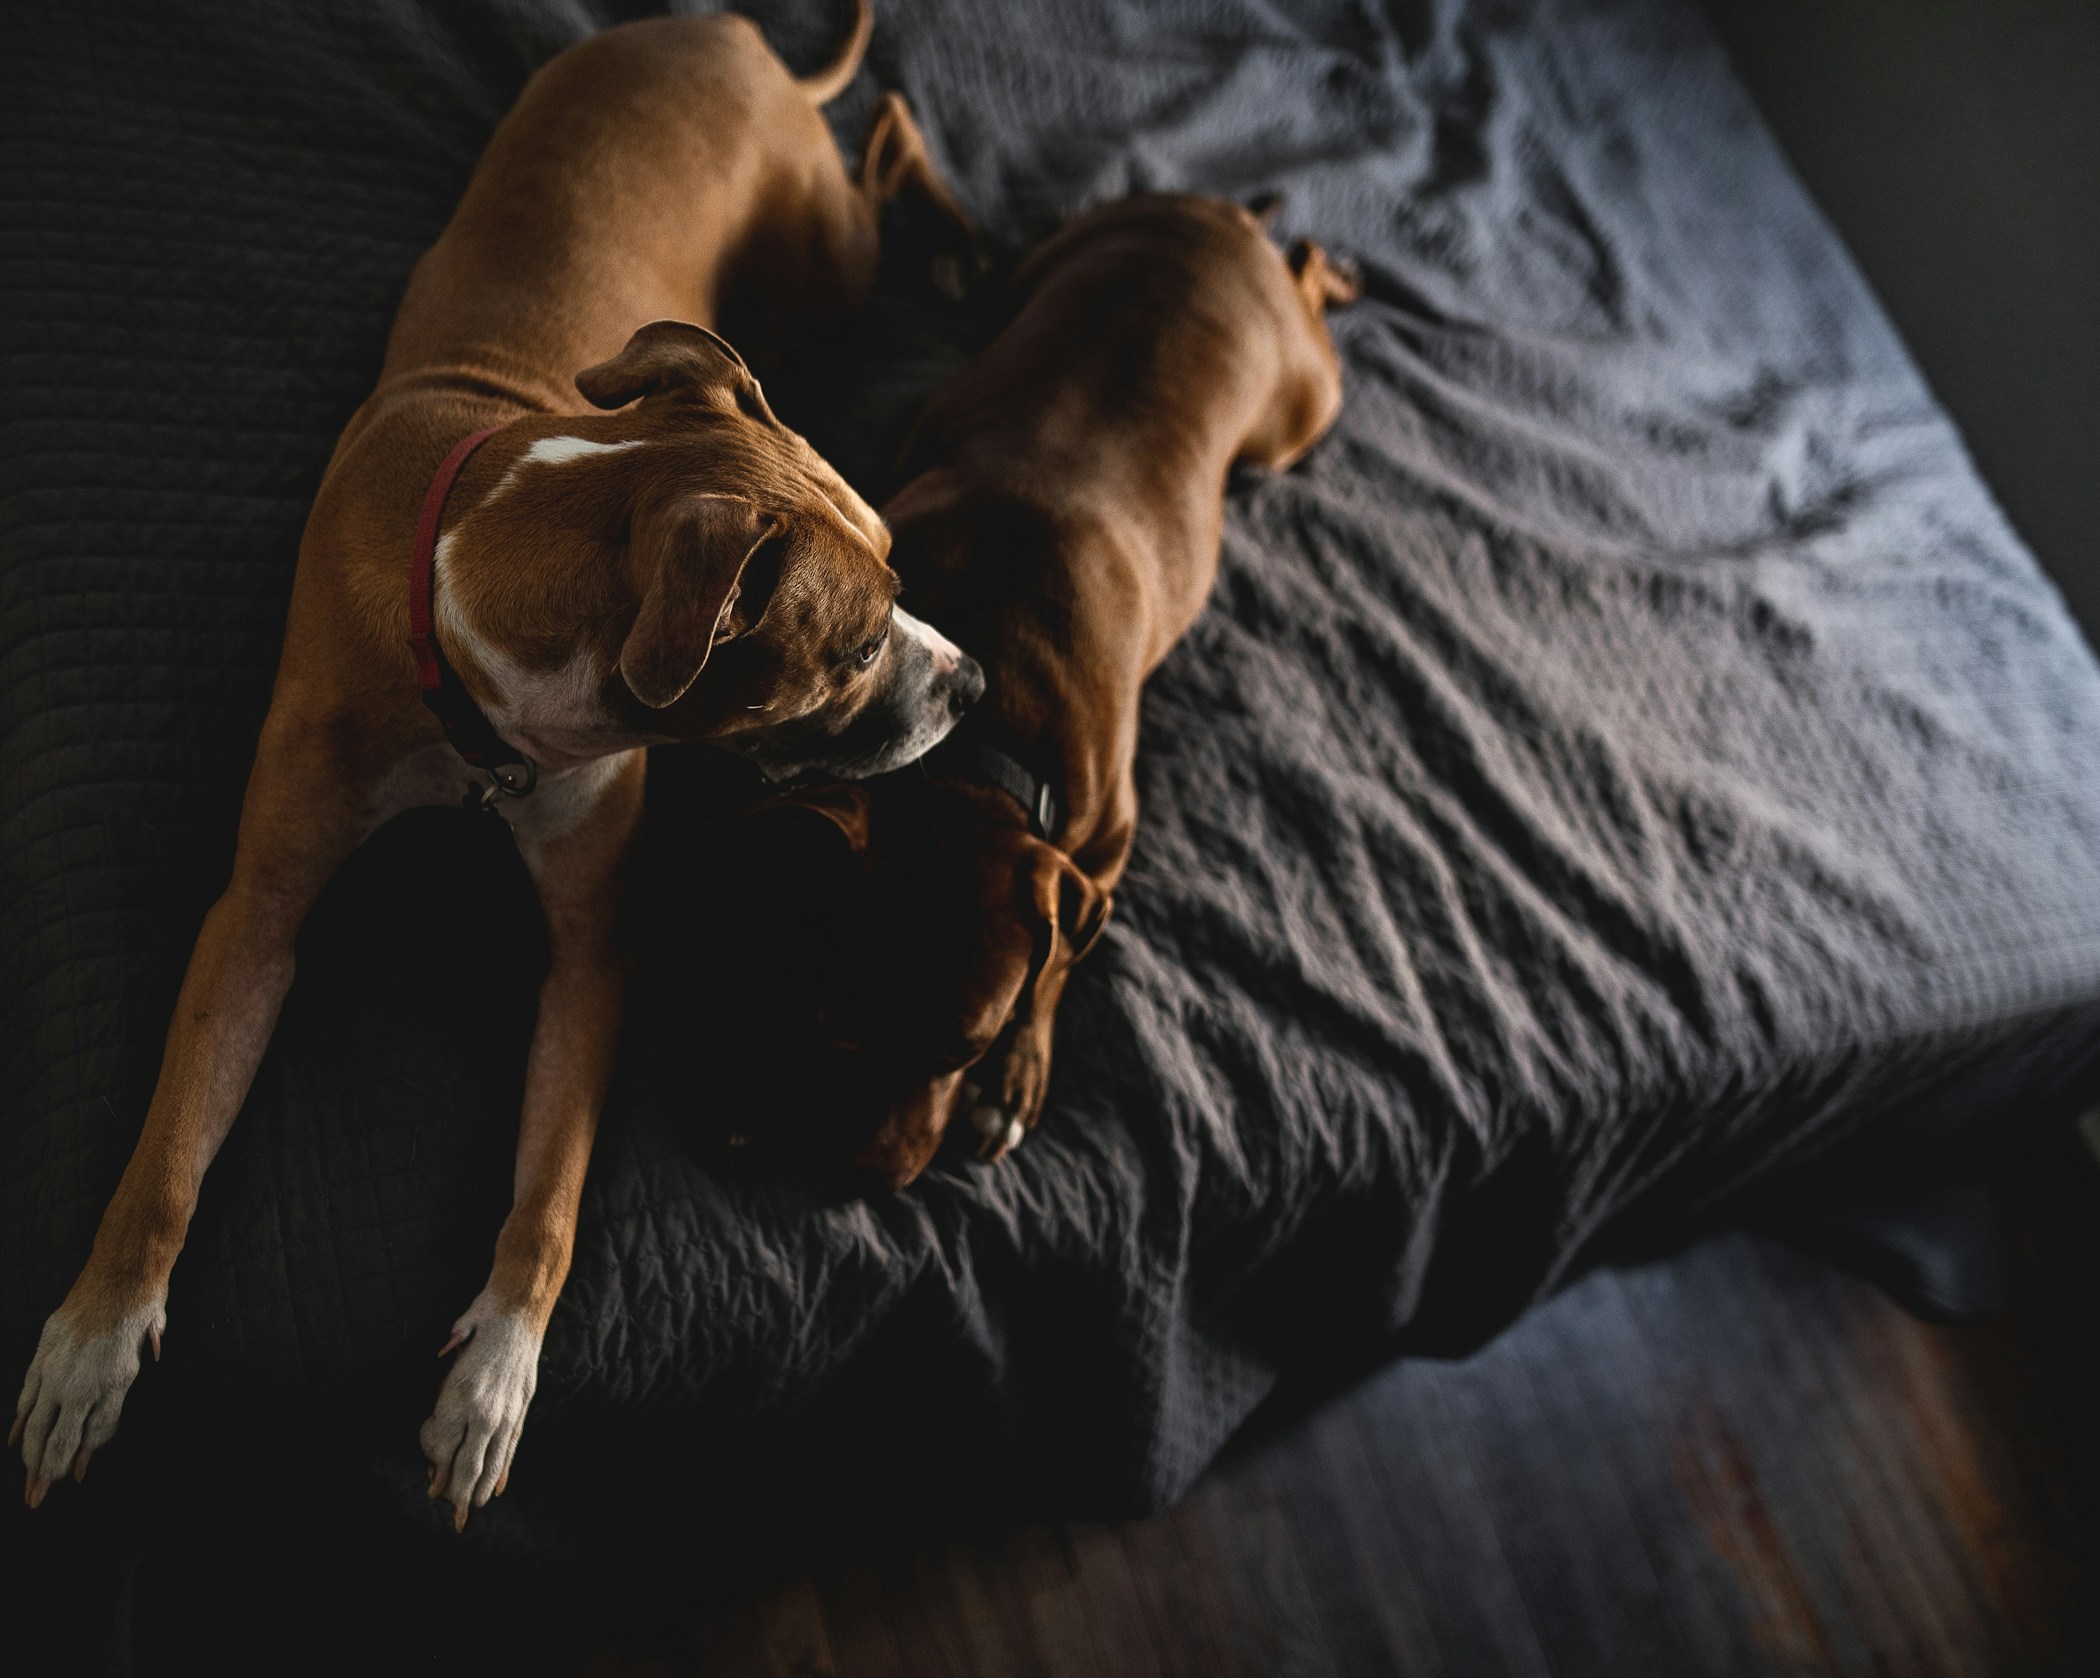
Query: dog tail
{"points": [[828, 83]]}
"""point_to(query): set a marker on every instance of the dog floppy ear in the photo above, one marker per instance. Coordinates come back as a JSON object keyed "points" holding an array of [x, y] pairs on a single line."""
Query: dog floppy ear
{"points": [[664, 355], [701, 587]]}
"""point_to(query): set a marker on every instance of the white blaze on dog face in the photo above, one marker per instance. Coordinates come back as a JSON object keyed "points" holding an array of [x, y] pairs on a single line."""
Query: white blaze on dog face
{"points": [[954, 673], [946, 655]]}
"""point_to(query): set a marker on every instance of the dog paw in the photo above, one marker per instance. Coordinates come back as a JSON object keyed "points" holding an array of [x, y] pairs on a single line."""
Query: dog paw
{"points": [[473, 1434], [985, 1098], [75, 1390], [1005, 1097], [998, 1131]]}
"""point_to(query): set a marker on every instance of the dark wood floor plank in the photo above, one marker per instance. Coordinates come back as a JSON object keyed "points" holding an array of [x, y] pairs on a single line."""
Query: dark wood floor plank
{"points": [[928, 1627], [1337, 1592], [1565, 1528], [2003, 1403], [792, 1631], [910, 1596], [1115, 1606], [1356, 1566], [1957, 1474], [1998, 1402], [2051, 1379], [1793, 1631], [1905, 1548], [1732, 1464], [992, 1612], [1424, 1474], [728, 1640], [1634, 1413], [857, 1614], [1763, 1442], [1233, 1528], [1183, 1603], [1057, 1611]]}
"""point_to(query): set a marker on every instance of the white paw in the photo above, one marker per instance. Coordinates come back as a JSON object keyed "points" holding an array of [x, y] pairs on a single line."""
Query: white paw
{"points": [[75, 1390], [473, 1435], [1001, 1134]]}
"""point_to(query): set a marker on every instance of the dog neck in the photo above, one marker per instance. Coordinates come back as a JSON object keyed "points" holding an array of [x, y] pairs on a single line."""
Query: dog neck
{"points": [[546, 693], [559, 713], [1063, 658]]}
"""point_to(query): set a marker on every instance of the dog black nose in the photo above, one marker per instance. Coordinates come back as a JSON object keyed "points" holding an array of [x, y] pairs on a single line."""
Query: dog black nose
{"points": [[969, 685]]}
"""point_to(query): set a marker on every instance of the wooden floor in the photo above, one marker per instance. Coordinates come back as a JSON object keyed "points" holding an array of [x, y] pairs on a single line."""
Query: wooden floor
{"points": [[1733, 1461]]}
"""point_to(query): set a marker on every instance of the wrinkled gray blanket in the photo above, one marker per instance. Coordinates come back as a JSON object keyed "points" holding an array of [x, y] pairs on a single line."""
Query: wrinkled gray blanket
{"points": [[1631, 755]]}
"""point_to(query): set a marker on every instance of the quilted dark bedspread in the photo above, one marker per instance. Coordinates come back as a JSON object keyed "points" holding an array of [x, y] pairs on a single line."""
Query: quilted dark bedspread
{"points": [[1631, 756]]}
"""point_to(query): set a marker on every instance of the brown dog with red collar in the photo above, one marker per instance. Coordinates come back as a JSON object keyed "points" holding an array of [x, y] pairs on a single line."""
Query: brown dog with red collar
{"points": [[685, 568], [1062, 520]]}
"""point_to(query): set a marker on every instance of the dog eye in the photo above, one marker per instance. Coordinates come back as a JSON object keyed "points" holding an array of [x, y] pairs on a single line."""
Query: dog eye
{"points": [[871, 647]]}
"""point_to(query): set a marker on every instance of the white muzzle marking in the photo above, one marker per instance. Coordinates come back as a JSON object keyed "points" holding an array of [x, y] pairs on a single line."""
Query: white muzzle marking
{"points": [[947, 656]]}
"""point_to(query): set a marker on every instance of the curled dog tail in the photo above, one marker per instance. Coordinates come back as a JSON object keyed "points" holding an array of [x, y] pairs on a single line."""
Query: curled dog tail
{"points": [[827, 84]]}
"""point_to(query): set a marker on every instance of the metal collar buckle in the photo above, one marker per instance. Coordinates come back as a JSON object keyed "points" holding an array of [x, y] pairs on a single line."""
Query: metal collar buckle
{"points": [[506, 780]]}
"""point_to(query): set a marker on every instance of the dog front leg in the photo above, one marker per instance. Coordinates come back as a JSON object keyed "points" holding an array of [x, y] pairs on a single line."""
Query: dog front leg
{"points": [[574, 837], [1012, 1081], [298, 821]]}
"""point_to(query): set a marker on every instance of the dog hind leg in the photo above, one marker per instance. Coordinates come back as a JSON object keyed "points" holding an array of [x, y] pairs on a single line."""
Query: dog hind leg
{"points": [[927, 232]]}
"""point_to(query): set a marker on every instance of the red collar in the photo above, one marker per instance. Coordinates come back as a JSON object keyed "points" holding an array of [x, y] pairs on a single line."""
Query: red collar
{"points": [[472, 735]]}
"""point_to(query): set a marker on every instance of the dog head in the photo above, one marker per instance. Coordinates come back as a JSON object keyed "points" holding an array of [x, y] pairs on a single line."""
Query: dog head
{"points": [[775, 587], [741, 592], [939, 937]]}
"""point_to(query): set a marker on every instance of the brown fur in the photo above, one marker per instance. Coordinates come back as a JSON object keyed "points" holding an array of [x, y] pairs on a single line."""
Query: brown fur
{"points": [[715, 584], [1062, 520]]}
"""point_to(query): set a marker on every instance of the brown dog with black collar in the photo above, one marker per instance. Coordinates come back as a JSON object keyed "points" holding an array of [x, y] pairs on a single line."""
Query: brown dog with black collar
{"points": [[1062, 520], [684, 568]]}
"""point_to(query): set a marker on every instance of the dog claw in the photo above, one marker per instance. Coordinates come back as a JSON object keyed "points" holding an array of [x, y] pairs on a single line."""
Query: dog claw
{"points": [[80, 1465], [450, 1346], [153, 1336], [33, 1494], [459, 1517], [14, 1434]]}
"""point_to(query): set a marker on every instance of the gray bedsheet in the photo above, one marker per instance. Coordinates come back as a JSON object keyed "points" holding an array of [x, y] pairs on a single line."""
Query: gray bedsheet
{"points": [[1631, 755]]}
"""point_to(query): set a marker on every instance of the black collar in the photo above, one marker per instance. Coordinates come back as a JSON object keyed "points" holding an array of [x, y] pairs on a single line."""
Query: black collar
{"points": [[966, 756]]}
